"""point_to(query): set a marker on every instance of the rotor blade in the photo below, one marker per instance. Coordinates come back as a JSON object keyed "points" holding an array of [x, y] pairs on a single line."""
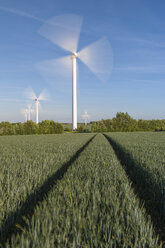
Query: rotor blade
{"points": [[29, 106], [56, 70], [44, 95], [24, 111], [98, 58], [63, 30], [30, 94]]}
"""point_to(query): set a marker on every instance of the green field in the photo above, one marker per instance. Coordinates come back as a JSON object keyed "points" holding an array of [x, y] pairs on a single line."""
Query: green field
{"points": [[83, 190]]}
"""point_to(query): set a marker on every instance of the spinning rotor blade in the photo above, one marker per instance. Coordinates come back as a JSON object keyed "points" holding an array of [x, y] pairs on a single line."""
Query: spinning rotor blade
{"points": [[63, 30], [52, 69], [98, 58], [24, 112], [29, 106], [30, 94], [44, 96]]}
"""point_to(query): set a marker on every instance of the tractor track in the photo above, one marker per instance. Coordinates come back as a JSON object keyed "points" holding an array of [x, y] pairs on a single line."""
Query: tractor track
{"points": [[131, 166], [25, 212]]}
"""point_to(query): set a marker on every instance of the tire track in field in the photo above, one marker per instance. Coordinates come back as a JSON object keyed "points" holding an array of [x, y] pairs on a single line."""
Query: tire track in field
{"points": [[143, 188], [16, 221]]}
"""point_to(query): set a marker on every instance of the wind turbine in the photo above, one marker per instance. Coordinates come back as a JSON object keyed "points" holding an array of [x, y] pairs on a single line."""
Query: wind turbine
{"points": [[64, 31], [31, 95], [29, 110], [25, 112], [85, 117]]}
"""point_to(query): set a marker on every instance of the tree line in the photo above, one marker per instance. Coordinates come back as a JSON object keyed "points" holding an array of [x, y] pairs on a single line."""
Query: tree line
{"points": [[123, 122], [30, 127]]}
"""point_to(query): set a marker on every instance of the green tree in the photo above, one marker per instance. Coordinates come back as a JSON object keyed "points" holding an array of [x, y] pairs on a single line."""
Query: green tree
{"points": [[143, 125], [124, 122], [6, 128], [44, 127], [81, 129], [31, 127], [19, 128], [109, 125], [94, 127], [99, 126], [102, 127], [56, 127]]}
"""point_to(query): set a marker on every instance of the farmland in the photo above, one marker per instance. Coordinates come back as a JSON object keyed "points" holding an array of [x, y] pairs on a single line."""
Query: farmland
{"points": [[82, 190]]}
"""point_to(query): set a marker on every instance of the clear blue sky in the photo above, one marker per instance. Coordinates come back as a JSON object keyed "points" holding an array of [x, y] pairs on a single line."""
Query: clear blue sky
{"points": [[136, 31]]}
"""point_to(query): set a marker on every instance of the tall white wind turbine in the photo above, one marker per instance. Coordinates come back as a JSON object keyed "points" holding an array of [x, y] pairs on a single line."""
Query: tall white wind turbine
{"points": [[64, 31]]}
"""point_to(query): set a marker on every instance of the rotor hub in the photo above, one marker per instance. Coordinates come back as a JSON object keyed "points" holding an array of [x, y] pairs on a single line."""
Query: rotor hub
{"points": [[74, 55]]}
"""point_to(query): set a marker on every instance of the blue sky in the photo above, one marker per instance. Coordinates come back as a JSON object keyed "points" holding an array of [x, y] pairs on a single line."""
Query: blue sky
{"points": [[136, 32]]}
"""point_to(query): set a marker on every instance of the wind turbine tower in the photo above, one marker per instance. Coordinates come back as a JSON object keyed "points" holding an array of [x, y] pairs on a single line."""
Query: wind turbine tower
{"points": [[28, 112], [36, 105], [74, 91]]}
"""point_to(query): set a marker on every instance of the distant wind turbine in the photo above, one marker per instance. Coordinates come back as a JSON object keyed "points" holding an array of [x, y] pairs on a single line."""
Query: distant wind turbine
{"points": [[64, 31], [31, 95], [86, 117], [29, 110], [24, 112]]}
